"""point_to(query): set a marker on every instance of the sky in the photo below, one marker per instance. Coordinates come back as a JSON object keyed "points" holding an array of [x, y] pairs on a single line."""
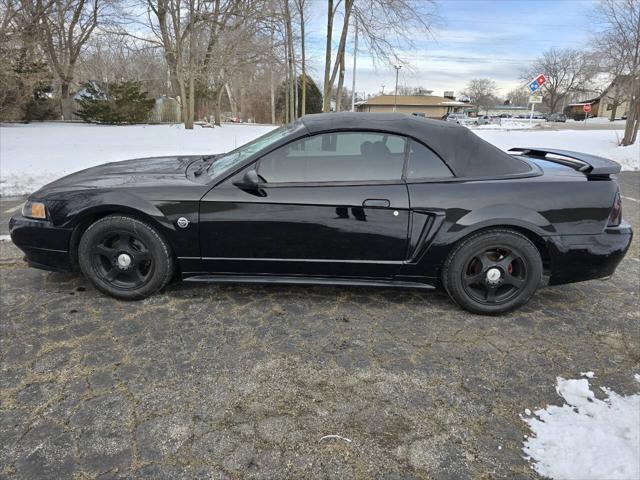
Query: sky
{"points": [[493, 39]]}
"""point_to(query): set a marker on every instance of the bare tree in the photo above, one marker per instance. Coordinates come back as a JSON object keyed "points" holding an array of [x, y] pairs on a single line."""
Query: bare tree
{"points": [[65, 30], [518, 96], [567, 72], [385, 25], [174, 23], [111, 58], [290, 56], [482, 92], [301, 6], [619, 45], [23, 67]]}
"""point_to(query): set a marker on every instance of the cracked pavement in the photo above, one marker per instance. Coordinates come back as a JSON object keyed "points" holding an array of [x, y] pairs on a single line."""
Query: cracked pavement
{"points": [[244, 381]]}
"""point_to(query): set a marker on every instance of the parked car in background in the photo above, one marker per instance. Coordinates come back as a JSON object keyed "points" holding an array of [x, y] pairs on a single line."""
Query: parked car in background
{"points": [[459, 118], [481, 120], [557, 117], [342, 198]]}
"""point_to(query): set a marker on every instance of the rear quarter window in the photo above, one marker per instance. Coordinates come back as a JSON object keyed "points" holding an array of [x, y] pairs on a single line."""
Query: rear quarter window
{"points": [[424, 163]]}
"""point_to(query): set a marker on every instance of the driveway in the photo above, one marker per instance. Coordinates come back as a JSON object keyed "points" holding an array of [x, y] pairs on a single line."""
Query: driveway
{"points": [[233, 381]]}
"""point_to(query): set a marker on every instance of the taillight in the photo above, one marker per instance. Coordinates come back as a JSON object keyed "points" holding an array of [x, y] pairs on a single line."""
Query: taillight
{"points": [[615, 218]]}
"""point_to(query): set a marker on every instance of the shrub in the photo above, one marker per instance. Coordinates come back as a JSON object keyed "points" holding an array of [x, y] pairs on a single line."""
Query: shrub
{"points": [[115, 103], [41, 106]]}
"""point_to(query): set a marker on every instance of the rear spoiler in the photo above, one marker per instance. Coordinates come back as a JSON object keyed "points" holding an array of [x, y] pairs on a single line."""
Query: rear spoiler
{"points": [[583, 162]]}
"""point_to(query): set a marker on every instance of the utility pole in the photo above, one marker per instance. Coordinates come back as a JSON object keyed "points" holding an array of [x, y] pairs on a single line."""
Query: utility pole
{"points": [[355, 54], [395, 96], [382, 89]]}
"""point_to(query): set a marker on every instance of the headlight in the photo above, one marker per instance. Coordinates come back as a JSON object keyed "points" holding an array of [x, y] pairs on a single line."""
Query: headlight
{"points": [[34, 210]]}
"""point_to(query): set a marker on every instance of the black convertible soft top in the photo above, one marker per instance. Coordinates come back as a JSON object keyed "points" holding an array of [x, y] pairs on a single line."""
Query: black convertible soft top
{"points": [[466, 154]]}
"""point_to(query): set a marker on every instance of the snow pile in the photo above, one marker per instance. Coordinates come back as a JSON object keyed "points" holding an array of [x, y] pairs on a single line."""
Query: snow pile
{"points": [[586, 438], [509, 124]]}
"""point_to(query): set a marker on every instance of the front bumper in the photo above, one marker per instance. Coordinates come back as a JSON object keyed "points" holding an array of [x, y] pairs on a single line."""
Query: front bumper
{"points": [[45, 246], [575, 258]]}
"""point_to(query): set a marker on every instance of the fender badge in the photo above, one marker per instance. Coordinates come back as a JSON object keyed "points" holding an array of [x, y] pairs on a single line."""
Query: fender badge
{"points": [[183, 222]]}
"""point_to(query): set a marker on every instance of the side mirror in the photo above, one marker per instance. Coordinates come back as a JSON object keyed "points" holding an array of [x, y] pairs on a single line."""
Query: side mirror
{"points": [[249, 181]]}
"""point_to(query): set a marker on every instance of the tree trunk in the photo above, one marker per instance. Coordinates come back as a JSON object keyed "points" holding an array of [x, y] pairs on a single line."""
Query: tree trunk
{"points": [[272, 87], [286, 95], [339, 65], [326, 95], [290, 63], [217, 115], [340, 85], [65, 101], [190, 100], [192, 103], [614, 109], [303, 101], [232, 102], [633, 115], [273, 98], [184, 102]]}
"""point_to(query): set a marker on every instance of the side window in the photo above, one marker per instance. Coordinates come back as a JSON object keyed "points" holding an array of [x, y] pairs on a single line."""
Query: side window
{"points": [[423, 163], [336, 157]]}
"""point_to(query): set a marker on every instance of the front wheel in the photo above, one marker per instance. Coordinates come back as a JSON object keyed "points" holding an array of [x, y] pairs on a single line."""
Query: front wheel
{"points": [[125, 257], [492, 272]]}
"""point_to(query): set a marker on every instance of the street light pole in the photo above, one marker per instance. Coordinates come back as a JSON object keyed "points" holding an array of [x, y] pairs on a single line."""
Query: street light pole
{"points": [[395, 96]]}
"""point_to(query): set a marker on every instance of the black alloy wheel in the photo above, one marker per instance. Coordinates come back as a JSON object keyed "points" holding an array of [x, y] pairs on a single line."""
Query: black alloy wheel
{"points": [[125, 257], [494, 276], [493, 271], [123, 260]]}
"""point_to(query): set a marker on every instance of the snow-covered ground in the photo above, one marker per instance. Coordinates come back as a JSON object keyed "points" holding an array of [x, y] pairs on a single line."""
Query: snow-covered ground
{"points": [[586, 438], [597, 142], [35, 154]]}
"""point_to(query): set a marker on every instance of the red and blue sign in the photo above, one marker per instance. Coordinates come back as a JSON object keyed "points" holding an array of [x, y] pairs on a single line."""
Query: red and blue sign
{"points": [[537, 82]]}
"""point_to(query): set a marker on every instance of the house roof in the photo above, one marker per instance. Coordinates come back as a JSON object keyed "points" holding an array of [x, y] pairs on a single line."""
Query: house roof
{"points": [[462, 150], [414, 100], [584, 102]]}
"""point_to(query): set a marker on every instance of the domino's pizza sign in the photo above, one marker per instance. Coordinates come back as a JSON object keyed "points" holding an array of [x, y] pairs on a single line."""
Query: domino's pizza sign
{"points": [[537, 82]]}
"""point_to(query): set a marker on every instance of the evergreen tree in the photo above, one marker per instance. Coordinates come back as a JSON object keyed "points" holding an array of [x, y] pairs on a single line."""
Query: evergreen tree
{"points": [[313, 99], [115, 103]]}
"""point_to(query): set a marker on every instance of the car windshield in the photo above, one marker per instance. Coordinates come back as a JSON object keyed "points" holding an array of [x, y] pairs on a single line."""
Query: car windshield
{"points": [[225, 161]]}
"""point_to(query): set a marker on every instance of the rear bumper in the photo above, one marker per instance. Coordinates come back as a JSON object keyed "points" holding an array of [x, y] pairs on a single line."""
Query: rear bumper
{"points": [[45, 246], [575, 258]]}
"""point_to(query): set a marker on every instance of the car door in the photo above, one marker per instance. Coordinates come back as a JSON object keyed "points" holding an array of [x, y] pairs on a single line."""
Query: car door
{"points": [[331, 204]]}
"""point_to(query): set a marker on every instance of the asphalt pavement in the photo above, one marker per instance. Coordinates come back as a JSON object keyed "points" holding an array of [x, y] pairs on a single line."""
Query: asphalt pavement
{"points": [[264, 381]]}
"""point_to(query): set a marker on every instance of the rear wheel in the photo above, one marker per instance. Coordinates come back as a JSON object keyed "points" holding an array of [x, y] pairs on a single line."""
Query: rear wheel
{"points": [[492, 272], [125, 257]]}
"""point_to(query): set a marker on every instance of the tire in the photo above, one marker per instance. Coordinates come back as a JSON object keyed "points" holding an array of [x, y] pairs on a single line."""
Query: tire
{"points": [[492, 272], [125, 257]]}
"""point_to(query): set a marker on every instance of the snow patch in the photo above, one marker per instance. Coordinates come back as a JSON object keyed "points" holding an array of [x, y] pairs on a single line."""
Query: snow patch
{"points": [[586, 437], [5, 238], [587, 374], [509, 125]]}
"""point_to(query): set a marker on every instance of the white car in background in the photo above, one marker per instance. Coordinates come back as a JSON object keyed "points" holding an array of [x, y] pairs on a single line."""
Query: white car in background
{"points": [[462, 119], [459, 118]]}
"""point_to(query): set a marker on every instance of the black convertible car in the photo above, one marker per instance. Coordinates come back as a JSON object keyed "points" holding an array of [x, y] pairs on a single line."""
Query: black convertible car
{"points": [[357, 199]]}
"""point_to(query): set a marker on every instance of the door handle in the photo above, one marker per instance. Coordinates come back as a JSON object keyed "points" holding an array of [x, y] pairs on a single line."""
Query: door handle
{"points": [[376, 202]]}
